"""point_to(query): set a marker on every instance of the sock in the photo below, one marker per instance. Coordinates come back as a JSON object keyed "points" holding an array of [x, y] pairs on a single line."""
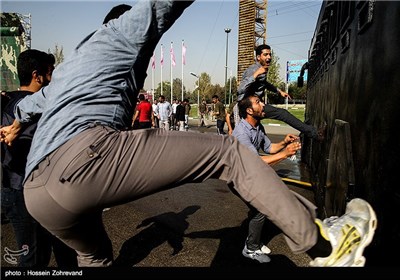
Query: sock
{"points": [[322, 247]]}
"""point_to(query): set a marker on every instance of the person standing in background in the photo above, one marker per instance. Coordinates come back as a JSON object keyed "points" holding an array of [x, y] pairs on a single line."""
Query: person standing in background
{"points": [[180, 116], [144, 113], [174, 121], [164, 112], [219, 113], [187, 112], [202, 112]]}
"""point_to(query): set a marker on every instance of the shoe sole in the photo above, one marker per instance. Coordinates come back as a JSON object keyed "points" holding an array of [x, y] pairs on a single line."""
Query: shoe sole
{"points": [[372, 225]]}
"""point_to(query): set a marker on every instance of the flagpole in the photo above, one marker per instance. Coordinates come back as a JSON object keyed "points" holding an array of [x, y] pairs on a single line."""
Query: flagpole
{"points": [[162, 63], [182, 66], [152, 82], [171, 52]]}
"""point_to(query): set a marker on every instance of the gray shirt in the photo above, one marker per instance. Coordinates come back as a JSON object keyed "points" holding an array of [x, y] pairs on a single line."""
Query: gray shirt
{"points": [[249, 85], [254, 138], [100, 80]]}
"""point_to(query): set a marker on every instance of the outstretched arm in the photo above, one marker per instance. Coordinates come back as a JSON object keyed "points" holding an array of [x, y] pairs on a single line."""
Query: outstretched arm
{"points": [[283, 93], [286, 152], [26, 111], [281, 150], [9, 133]]}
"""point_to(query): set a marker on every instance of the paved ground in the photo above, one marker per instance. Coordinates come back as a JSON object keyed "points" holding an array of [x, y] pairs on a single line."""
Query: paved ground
{"points": [[200, 226]]}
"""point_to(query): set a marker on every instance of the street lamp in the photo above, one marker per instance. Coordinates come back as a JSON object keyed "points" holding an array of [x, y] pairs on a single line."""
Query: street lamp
{"points": [[230, 87], [227, 30], [198, 92]]}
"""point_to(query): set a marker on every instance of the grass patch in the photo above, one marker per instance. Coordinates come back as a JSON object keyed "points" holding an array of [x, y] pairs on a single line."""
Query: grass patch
{"points": [[297, 112]]}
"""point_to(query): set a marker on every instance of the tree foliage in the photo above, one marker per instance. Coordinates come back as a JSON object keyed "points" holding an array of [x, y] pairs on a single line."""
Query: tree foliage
{"points": [[232, 87], [58, 53], [273, 70], [297, 92]]}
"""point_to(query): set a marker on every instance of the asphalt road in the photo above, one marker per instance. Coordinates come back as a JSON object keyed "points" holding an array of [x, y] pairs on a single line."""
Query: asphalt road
{"points": [[201, 226]]}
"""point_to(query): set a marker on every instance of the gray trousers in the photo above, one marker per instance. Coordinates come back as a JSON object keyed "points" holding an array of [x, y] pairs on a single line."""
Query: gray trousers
{"points": [[101, 167]]}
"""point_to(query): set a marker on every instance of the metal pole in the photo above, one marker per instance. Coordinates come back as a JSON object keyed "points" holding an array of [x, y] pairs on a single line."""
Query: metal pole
{"points": [[198, 91], [198, 99], [182, 68], [286, 99], [230, 87], [171, 74], [227, 30], [162, 64]]}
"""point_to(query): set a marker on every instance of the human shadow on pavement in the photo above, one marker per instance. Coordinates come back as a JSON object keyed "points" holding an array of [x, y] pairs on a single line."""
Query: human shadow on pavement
{"points": [[167, 227], [229, 253]]}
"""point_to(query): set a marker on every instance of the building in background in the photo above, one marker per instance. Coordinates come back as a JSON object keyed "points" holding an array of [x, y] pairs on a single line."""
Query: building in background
{"points": [[15, 38]]}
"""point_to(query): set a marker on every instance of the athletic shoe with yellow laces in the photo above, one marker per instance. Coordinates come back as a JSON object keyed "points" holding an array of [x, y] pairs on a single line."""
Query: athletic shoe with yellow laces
{"points": [[349, 235]]}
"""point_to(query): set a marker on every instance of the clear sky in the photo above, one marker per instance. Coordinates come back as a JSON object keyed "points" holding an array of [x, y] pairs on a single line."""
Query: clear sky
{"points": [[290, 27]]}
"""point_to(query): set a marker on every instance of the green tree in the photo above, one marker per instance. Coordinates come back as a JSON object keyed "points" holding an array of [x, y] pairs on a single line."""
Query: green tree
{"points": [[215, 89], [274, 78], [232, 90], [177, 89], [58, 53], [204, 87], [297, 92], [166, 90], [273, 70]]}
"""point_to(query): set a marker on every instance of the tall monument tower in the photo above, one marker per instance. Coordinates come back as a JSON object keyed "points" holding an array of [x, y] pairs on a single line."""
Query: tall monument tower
{"points": [[252, 31]]}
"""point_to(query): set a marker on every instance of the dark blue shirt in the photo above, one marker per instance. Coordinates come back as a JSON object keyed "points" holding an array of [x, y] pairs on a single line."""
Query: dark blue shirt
{"points": [[13, 158]]}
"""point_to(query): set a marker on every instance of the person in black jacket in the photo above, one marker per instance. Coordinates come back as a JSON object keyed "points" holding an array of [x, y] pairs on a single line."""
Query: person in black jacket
{"points": [[34, 243], [180, 115]]}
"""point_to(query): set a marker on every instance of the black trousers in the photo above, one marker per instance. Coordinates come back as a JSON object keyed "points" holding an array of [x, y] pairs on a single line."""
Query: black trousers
{"points": [[283, 115]]}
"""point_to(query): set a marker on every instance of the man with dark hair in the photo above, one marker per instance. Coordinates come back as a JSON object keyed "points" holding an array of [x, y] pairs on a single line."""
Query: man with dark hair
{"points": [[219, 113], [180, 116], [144, 112], [250, 132], [82, 160], [164, 112], [34, 72], [254, 81], [202, 112]]}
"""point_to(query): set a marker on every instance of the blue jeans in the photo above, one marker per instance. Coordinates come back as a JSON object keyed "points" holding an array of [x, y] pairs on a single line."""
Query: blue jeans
{"points": [[34, 243]]}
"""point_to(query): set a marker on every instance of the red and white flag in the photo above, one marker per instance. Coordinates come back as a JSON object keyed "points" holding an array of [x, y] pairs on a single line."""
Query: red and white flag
{"points": [[172, 56], [162, 56], [153, 61], [183, 54]]}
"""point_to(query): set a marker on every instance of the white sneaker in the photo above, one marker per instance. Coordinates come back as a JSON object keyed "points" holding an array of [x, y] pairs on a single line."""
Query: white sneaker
{"points": [[257, 255], [348, 234], [265, 249]]}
